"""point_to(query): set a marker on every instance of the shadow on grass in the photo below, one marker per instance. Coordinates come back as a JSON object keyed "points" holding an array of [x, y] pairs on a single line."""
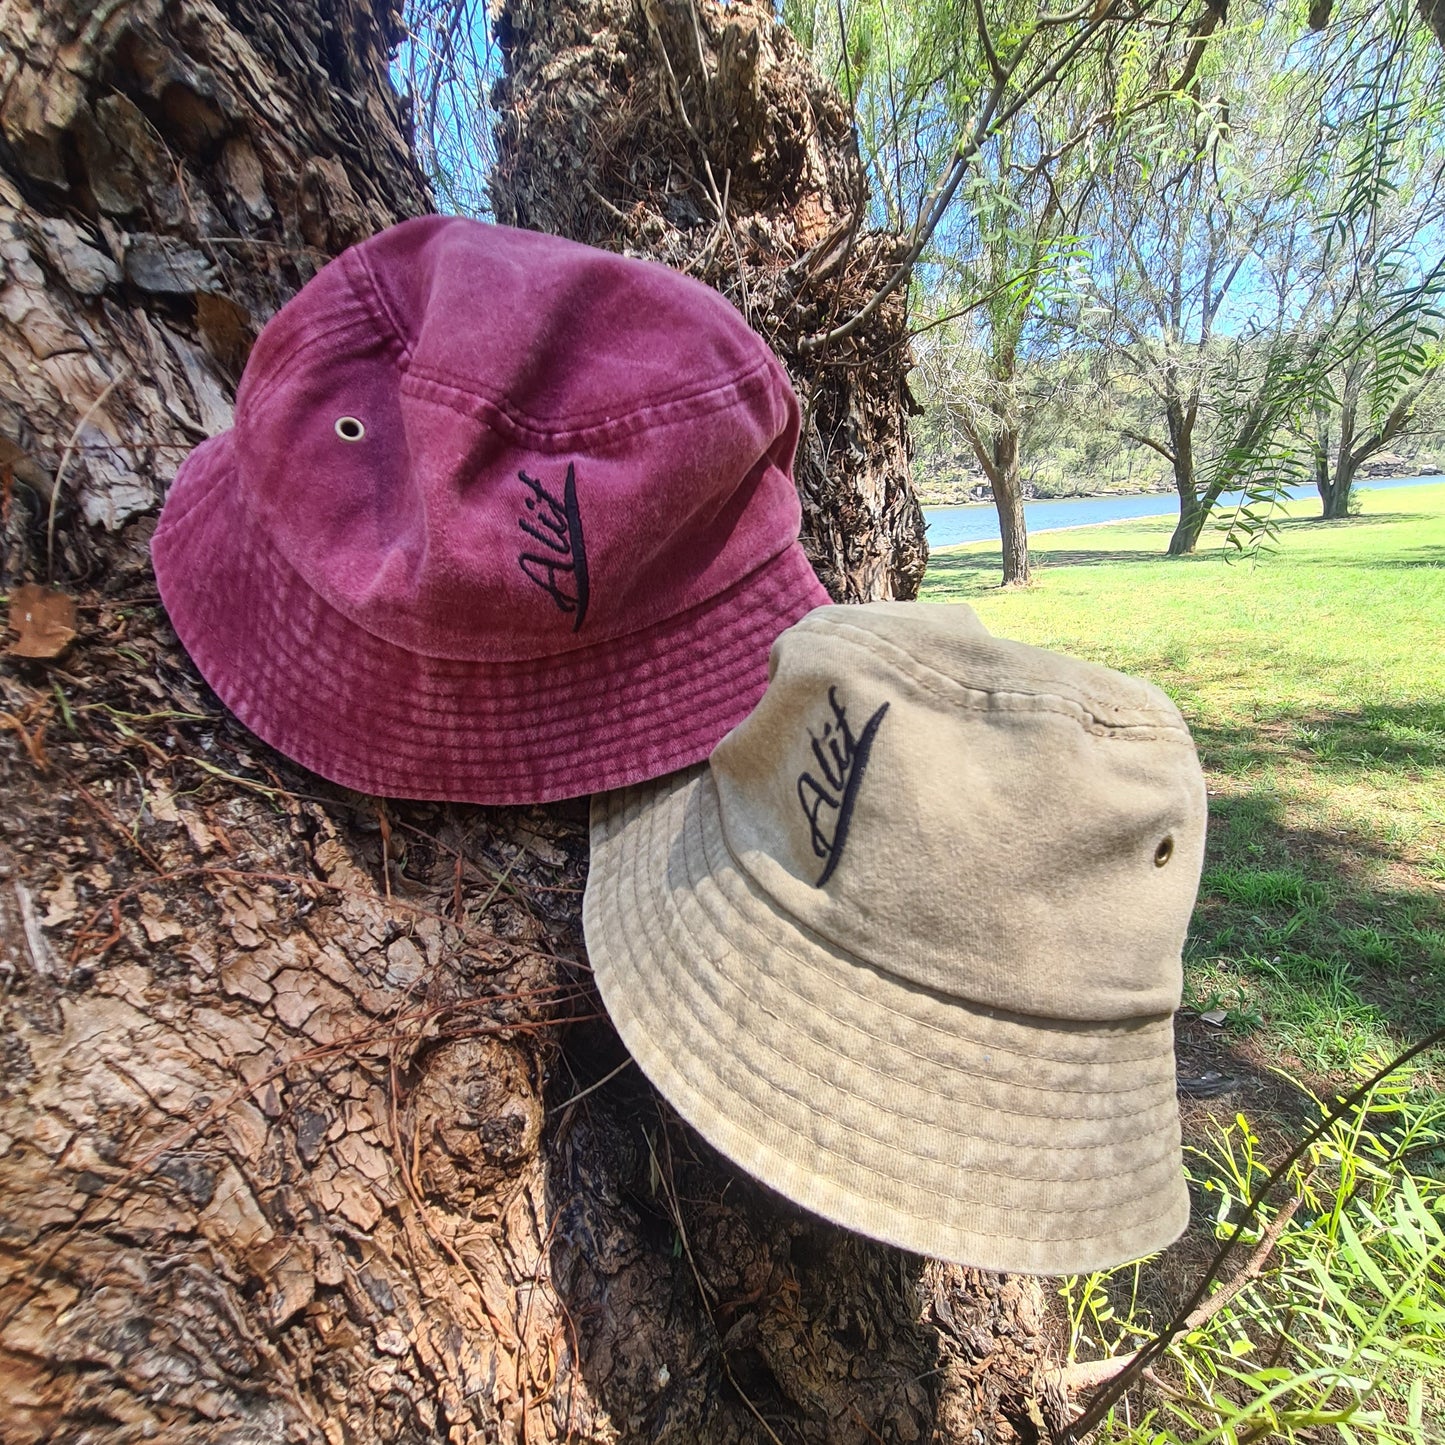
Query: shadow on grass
{"points": [[977, 570], [1334, 937], [1089, 557], [1407, 734], [1404, 560], [1364, 519], [973, 572]]}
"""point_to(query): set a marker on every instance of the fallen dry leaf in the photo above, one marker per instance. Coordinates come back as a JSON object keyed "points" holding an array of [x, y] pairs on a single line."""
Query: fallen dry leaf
{"points": [[44, 620]]}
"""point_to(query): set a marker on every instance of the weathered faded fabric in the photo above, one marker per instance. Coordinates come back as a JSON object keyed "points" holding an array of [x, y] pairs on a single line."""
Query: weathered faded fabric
{"points": [[502, 519], [908, 947]]}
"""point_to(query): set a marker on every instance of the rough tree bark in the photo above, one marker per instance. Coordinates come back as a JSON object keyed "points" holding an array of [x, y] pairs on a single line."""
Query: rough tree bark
{"points": [[700, 135], [306, 1124]]}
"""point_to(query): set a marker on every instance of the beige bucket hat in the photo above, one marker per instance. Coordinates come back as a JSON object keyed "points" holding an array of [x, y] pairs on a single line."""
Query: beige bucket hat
{"points": [[907, 948]]}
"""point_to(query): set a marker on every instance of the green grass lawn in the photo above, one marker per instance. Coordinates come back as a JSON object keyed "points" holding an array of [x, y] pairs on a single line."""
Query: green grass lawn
{"points": [[1314, 682]]}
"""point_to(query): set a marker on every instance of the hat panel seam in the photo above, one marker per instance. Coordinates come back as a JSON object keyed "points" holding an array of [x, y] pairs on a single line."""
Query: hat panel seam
{"points": [[735, 911], [852, 1159], [260, 397], [859, 636], [788, 559], [946, 1000], [356, 260], [764, 362], [610, 642], [542, 688], [175, 514], [533, 676], [552, 435]]}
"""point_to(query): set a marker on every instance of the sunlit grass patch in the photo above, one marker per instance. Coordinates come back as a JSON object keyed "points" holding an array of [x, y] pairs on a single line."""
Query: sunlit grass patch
{"points": [[1335, 1327], [1314, 683]]}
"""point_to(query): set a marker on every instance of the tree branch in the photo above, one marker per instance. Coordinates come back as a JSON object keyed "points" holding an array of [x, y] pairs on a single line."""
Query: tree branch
{"points": [[990, 119], [1087, 1374], [1135, 436]]}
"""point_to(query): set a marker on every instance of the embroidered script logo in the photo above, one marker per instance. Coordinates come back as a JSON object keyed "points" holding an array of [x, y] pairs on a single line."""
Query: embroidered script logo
{"points": [[561, 569], [842, 760]]}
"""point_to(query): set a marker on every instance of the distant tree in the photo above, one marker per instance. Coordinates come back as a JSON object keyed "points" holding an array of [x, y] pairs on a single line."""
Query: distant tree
{"points": [[1023, 210], [1380, 279], [1359, 273], [1037, 98], [1177, 287], [1372, 406]]}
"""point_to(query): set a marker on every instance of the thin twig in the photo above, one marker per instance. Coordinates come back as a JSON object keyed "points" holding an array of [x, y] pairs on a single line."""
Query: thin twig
{"points": [[1100, 1405], [1090, 1373], [65, 456], [592, 1088]]}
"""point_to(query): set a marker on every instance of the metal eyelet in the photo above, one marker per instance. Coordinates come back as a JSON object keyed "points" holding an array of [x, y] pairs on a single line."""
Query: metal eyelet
{"points": [[1164, 852], [349, 429]]}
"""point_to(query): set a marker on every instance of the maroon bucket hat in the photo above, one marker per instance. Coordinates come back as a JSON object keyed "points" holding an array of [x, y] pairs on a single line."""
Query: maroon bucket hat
{"points": [[502, 519]]}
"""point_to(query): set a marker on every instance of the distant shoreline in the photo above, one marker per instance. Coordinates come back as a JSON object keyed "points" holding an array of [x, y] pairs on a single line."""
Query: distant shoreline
{"points": [[1163, 492], [993, 542], [1423, 479]]}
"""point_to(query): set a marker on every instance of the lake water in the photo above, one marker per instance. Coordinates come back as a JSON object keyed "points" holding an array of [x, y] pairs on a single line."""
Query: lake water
{"points": [[978, 521]]}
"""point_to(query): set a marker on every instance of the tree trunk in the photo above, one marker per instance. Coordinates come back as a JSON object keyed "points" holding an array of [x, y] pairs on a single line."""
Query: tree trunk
{"points": [[1008, 498], [298, 1133], [1193, 510], [1334, 483], [1192, 517], [1336, 488], [699, 135]]}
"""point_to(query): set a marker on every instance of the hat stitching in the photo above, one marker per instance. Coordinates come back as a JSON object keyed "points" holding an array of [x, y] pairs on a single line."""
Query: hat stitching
{"points": [[1170, 721], [357, 261], [260, 393], [825, 1194], [740, 874], [419, 382], [903, 1116], [463, 742], [531, 683], [661, 1001], [914, 1185], [727, 677], [947, 689], [387, 317], [662, 1004], [735, 911], [440, 708], [779, 587]]}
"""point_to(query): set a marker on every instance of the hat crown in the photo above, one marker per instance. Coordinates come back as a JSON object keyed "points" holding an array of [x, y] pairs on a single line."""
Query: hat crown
{"points": [[996, 823], [488, 444]]}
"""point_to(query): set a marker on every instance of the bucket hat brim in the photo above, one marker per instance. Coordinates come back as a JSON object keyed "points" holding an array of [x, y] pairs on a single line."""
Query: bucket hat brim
{"points": [[381, 719], [962, 1133]]}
